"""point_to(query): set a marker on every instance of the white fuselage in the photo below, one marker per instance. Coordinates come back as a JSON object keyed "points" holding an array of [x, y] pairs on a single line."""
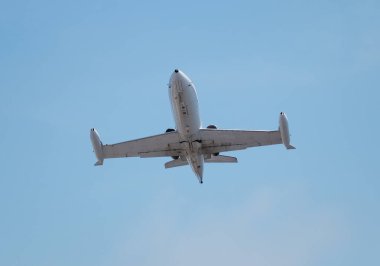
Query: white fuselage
{"points": [[184, 102]]}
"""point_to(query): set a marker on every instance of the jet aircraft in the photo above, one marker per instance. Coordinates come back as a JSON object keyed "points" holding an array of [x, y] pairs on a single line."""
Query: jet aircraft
{"points": [[189, 143]]}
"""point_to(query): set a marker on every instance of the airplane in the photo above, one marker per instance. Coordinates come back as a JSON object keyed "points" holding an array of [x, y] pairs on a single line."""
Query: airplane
{"points": [[189, 143]]}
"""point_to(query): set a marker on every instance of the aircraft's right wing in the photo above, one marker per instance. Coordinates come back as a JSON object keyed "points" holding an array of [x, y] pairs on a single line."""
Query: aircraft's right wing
{"points": [[219, 140], [166, 144], [161, 145]]}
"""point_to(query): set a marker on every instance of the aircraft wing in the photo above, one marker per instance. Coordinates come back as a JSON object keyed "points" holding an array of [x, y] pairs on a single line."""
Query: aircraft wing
{"points": [[166, 144], [219, 140]]}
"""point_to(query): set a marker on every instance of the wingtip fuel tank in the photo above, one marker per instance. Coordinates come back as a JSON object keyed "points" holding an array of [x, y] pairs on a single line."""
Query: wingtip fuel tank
{"points": [[97, 146], [284, 130]]}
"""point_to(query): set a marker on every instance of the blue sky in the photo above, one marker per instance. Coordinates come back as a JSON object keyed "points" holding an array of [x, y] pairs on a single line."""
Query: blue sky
{"points": [[67, 66]]}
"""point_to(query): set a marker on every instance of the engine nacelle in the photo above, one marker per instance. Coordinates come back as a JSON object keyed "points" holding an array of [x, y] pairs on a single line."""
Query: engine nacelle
{"points": [[172, 130], [211, 127], [97, 145], [284, 131]]}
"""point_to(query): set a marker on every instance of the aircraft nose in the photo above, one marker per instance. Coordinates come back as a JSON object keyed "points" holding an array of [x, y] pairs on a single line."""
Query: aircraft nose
{"points": [[175, 76], [179, 76]]}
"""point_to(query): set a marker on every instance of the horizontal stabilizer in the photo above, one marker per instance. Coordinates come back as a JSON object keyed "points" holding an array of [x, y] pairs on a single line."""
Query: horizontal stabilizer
{"points": [[221, 159], [176, 163]]}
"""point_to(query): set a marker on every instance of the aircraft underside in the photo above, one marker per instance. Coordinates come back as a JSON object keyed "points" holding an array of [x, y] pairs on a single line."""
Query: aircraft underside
{"points": [[189, 144]]}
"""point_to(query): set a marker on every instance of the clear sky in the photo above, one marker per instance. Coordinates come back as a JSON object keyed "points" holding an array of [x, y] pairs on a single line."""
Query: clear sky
{"points": [[68, 66]]}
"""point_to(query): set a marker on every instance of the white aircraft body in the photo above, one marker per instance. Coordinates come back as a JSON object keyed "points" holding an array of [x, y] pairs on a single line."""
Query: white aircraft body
{"points": [[189, 143]]}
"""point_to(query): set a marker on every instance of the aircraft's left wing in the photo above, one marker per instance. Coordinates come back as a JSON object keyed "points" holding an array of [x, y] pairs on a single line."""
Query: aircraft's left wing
{"points": [[161, 145], [219, 140]]}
